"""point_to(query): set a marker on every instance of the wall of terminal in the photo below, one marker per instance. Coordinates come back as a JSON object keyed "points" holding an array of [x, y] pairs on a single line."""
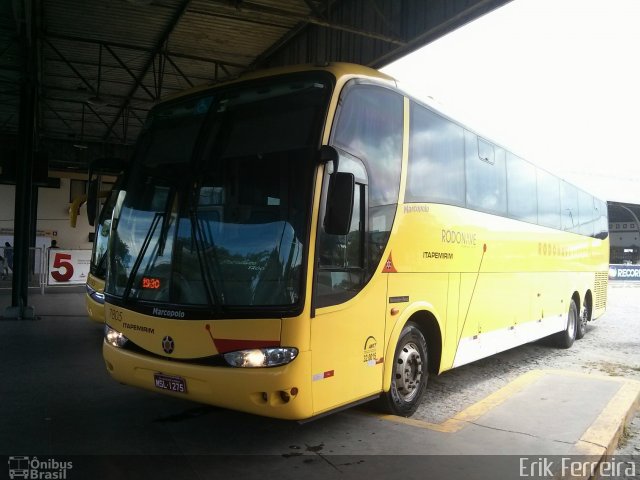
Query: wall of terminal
{"points": [[53, 215]]}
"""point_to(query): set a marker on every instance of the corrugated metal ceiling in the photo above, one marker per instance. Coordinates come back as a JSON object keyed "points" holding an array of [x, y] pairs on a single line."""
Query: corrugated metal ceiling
{"points": [[103, 63]]}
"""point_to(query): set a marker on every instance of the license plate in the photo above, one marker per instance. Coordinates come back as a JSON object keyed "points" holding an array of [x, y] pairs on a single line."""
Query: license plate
{"points": [[167, 382]]}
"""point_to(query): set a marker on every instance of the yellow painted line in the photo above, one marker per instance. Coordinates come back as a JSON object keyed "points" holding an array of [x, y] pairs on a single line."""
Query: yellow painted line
{"points": [[600, 440], [605, 432]]}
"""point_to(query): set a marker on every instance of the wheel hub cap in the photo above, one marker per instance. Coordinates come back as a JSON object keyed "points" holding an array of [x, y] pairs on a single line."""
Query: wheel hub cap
{"points": [[408, 371]]}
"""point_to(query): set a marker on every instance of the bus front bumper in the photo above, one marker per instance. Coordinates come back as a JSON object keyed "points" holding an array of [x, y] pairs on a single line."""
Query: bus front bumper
{"points": [[278, 392]]}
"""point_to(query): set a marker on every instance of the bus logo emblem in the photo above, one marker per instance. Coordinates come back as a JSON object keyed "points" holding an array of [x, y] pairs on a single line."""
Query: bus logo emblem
{"points": [[168, 344]]}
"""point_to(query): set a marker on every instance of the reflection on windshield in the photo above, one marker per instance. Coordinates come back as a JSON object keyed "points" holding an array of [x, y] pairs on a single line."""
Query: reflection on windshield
{"points": [[101, 240], [226, 226]]}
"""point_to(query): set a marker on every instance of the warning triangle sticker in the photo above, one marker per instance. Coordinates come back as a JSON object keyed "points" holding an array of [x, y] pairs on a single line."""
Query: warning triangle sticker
{"points": [[388, 266]]}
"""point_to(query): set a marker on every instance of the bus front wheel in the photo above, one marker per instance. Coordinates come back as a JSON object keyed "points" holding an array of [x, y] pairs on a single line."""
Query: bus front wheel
{"points": [[409, 373]]}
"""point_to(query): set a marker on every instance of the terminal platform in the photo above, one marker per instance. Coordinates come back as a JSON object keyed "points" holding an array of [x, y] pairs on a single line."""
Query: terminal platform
{"points": [[58, 403]]}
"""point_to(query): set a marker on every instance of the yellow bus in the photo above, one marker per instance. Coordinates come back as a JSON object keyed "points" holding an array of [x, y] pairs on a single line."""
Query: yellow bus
{"points": [[304, 239], [94, 297], [105, 180]]}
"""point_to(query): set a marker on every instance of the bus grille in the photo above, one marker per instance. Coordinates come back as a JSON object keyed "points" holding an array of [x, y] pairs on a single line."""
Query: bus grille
{"points": [[601, 290]]}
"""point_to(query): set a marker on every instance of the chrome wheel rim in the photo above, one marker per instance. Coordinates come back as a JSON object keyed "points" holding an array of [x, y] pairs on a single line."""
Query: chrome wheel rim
{"points": [[408, 372]]}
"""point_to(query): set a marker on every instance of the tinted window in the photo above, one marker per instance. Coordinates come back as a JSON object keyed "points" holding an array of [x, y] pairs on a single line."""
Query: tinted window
{"points": [[370, 125], [485, 175], [341, 273], [569, 204], [602, 224], [587, 212], [548, 200], [436, 159], [521, 189]]}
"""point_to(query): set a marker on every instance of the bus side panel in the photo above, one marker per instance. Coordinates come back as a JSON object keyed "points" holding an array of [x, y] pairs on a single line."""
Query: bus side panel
{"points": [[406, 289], [453, 323], [492, 307]]}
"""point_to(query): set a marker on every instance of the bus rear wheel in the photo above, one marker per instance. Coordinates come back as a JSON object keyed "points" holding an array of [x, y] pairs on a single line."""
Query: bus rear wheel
{"points": [[409, 375], [582, 323], [565, 338]]}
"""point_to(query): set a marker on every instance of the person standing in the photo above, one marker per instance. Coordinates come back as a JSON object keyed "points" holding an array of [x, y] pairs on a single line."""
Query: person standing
{"points": [[8, 258]]}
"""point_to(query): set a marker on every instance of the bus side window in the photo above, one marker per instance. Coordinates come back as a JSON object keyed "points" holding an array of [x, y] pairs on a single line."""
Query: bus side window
{"points": [[369, 127], [522, 193], [436, 159], [341, 272], [569, 202], [485, 175]]}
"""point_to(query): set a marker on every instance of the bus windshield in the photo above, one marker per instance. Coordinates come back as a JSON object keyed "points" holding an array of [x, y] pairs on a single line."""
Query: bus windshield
{"points": [[217, 203], [98, 256]]}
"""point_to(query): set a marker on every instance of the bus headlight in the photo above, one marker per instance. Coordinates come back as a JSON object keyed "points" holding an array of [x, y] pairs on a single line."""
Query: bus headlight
{"points": [[261, 357], [95, 295], [114, 338]]}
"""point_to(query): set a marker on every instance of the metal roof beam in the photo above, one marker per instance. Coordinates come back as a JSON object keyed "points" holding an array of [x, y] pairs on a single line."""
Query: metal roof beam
{"points": [[177, 69], [110, 95], [55, 112], [81, 102], [138, 48], [112, 66], [236, 18], [158, 47], [102, 120], [128, 70], [314, 9], [131, 111], [70, 65], [254, 7]]}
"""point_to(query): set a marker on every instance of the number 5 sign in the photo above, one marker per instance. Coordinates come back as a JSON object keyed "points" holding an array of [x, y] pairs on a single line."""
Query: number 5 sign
{"points": [[68, 267]]}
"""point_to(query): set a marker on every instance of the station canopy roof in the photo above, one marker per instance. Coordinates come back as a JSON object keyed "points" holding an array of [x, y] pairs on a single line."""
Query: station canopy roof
{"points": [[100, 65]]}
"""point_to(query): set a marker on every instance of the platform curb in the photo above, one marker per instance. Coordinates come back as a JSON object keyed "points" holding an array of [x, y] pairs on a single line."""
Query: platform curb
{"points": [[598, 442]]}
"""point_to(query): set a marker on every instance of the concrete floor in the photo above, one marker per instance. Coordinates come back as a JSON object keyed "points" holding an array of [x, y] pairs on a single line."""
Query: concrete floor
{"points": [[58, 404]]}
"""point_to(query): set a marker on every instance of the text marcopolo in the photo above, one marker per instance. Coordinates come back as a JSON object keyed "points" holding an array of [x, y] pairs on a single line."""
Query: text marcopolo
{"points": [[168, 313]]}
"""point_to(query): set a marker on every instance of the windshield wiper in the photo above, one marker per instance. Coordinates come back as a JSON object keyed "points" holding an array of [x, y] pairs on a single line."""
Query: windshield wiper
{"points": [[143, 250], [216, 298]]}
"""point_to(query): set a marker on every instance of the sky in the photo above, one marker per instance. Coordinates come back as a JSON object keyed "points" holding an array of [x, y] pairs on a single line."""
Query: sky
{"points": [[555, 81]]}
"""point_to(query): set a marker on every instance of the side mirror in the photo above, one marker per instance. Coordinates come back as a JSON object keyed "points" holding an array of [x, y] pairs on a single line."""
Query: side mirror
{"points": [[92, 201], [337, 217]]}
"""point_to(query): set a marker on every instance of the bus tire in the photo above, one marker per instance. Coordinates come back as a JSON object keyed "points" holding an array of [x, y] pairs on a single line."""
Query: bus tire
{"points": [[581, 326], [565, 338], [409, 375]]}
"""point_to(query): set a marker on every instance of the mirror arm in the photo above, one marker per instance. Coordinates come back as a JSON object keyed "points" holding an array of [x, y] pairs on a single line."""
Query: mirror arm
{"points": [[330, 154]]}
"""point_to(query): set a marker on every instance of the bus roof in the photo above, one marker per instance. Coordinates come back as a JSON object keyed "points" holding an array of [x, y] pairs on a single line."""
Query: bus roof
{"points": [[338, 69]]}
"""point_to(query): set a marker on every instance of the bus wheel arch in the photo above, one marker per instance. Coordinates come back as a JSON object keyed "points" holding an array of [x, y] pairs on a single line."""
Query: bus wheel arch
{"points": [[428, 325], [584, 315]]}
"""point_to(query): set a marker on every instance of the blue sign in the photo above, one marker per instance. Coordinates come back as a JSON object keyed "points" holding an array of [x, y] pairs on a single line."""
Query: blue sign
{"points": [[624, 272]]}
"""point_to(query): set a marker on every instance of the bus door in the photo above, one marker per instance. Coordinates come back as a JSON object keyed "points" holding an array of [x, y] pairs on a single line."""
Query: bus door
{"points": [[347, 331]]}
